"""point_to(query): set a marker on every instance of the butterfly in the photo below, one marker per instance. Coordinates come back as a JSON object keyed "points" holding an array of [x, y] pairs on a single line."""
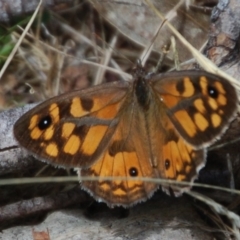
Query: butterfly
{"points": [[157, 126]]}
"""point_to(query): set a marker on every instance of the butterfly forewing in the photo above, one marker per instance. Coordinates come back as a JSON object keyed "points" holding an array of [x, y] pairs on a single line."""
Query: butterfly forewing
{"points": [[72, 129], [200, 105]]}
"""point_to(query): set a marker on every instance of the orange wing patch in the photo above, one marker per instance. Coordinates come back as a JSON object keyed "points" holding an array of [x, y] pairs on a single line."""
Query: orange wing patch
{"points": [[189, 125], [72, 145], [201, 122], [80, 107], [52, 149]]}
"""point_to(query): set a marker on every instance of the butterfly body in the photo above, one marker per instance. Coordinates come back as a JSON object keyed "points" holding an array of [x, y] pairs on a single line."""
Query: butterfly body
{"points": [[154, 127]]}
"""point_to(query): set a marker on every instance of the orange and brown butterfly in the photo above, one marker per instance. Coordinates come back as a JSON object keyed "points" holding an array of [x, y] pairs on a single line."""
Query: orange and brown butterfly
{"points": [[155, 126]]}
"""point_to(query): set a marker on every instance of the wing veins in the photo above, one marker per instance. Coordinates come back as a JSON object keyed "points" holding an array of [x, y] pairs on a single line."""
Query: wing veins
{"points": [[91, 121]]}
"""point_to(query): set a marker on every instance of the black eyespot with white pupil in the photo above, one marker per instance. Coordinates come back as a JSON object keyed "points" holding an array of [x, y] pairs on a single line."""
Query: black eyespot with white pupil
{"points": [[45, 122], [167, 164], [212, 91], [133, 172]]}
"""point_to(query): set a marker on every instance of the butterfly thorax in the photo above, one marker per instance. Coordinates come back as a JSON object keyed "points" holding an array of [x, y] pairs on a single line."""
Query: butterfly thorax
{"points": [[141, 88]]}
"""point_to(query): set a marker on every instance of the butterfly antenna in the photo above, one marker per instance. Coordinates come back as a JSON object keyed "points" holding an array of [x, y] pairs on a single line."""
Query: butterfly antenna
{"points": [[149, 48]]}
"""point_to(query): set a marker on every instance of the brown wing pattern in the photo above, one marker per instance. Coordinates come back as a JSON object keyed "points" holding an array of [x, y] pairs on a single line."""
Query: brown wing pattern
{"points": [[199, 104], [74, 129]]}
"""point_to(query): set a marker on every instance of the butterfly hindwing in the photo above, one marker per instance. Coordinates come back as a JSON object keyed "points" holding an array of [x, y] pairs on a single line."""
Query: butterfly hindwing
{"points": [[181, 161]]}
